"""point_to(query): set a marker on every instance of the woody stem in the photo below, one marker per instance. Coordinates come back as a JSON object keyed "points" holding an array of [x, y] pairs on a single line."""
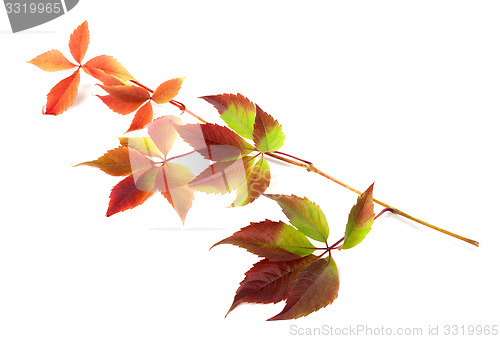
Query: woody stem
{"points": [[312, 168]]}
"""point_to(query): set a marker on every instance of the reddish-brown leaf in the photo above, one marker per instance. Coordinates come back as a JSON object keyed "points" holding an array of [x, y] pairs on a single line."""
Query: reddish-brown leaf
{"points": [[120, 106], [62, 95], [267, 133], [269, 281], [118, 161], [315, 287], [214, 142], [272, 240], [52, 61], [172, 181], [143, 117], [108, 70], [132, 191], [167, 91], [127, 93], [79, 42]]}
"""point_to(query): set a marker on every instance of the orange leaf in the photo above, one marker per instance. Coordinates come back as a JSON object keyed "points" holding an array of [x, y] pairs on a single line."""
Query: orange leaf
{"points": [[62, 95], [127, 93], [143, 117], [119, 106], [79, 42], [52, 61], [167, 91], [107, 69], [121, 161], [102, 76]]}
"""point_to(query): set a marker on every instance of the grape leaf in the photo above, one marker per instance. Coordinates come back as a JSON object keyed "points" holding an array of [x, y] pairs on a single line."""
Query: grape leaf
{"points": [[79, 42], [303, 214], [315, 287], [272, 240], [144, 145], [120, 106], [52, 61], [214, 142], [127, 93], [117, 162], [257, 182], [172, 182], [108, 70], [269, 281], [236, 110], [132, 191], [267, 133], [143, 117], [163, 132], [360, 220], [144, 175], [167, 91], [62, 95], [223, 176]]}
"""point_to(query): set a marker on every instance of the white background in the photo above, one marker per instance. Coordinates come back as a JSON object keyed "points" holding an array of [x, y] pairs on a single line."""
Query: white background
{"points": [[401, 93]]}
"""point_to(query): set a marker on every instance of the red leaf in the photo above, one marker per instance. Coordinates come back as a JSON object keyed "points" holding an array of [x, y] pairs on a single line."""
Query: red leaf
{"points": [[269, 281], [167, 91], [120, 106], [132, 191], [79, 42], [143, 117], [214, 142], [272, 240], [62, 95], [52, 61], [106, 69], [315, 287]]}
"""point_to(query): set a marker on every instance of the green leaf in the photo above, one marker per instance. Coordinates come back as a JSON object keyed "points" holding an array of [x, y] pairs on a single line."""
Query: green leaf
{"points": [[303, 214], [360, 220], [236, 110], [258, 179], [144, 145], [272, 240], [267, 134]]}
